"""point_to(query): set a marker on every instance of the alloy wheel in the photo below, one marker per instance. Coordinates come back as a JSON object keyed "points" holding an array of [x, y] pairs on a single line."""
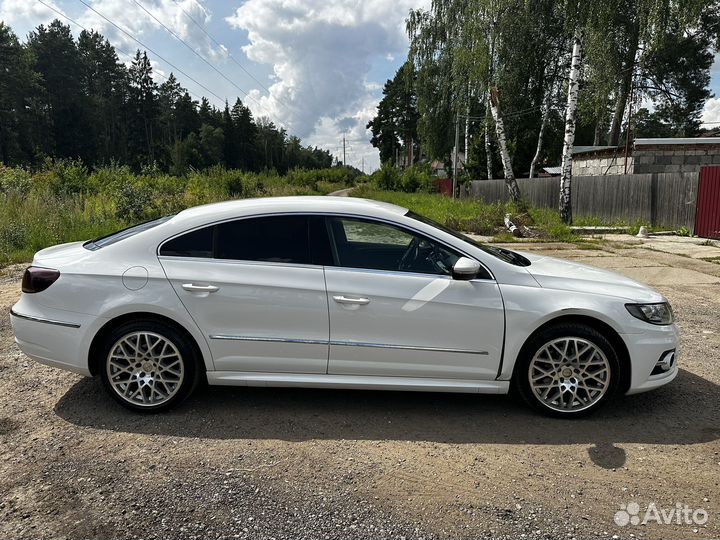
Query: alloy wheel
{"points": [[145, 369], [569, 374]]}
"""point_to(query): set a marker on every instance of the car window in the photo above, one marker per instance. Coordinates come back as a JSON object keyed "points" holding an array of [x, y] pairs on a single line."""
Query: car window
{"points": [[115, 237], [281, 239], [197, 243], [498, 252], [361, 243]]}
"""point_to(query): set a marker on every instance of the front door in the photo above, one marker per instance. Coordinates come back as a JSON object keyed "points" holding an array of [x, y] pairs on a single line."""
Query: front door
{"points": [[395, 310], [251, 287]]}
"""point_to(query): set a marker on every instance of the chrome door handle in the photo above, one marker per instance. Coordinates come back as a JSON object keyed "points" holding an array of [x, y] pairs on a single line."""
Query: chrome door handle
{"points": [[345, 300], [200, 288]]}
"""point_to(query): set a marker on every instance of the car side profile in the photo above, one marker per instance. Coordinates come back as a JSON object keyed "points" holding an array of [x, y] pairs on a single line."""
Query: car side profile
{"points": [[332, 292]]}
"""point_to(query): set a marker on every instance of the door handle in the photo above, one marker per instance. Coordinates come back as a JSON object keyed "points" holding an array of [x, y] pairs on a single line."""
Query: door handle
{"points": [[356, 301], [200, 288]]}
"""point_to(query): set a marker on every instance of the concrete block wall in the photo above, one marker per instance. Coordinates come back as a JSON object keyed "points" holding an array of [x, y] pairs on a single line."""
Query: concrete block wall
{"points": [[674, 158], [594, 165]]}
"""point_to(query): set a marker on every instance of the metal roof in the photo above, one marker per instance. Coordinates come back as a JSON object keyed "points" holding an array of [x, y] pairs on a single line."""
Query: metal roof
{"points": [[553, 170], [583, 149], [677, 140]]}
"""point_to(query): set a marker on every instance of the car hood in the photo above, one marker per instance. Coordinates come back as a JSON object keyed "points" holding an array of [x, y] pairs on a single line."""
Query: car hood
{"points": [[565, 275]]}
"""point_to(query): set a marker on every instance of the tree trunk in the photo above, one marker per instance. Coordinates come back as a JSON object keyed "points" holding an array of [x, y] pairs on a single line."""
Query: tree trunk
{"points": [[570, 114], [541, 135], [624, 88], [488, 149], [510, 181]]}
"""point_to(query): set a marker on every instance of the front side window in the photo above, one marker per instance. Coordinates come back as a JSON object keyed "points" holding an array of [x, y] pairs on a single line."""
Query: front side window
{"points": [[360, 243]]}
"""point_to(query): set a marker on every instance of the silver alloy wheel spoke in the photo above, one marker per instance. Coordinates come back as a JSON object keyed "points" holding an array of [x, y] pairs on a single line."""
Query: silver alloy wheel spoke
{"points": [[569, 374], [145, 368]]}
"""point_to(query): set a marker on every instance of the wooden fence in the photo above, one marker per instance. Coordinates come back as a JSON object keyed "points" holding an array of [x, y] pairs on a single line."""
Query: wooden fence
{"points": [[661, 200]]}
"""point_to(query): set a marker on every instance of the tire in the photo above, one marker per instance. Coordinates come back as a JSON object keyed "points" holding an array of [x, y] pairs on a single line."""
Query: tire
{"points": [[557, 381], [148, 382]]}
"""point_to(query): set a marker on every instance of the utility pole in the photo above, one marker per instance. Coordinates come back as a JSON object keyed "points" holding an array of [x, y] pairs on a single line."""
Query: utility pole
{"points": [[455, 156], [344, 162], [362, 167]]}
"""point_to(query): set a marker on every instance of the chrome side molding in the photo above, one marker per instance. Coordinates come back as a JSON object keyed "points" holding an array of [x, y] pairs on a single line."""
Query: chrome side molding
{"points": [[344, 343], [43, 320]]}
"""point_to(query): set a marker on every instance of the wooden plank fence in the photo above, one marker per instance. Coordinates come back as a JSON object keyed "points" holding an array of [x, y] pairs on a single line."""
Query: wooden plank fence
{"points": [[661, 199]]}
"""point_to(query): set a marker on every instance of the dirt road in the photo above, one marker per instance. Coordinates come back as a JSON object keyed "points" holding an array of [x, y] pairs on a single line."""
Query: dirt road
{"points": [[279, 463]]}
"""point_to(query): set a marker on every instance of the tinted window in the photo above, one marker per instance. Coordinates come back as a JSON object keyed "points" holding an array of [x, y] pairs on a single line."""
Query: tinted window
{"points": [[369, 244], [197, 243], [282, 239], [125, 233]]}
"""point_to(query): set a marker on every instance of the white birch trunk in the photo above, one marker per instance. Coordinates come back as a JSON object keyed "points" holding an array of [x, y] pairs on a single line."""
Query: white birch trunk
{"points": [[510, 181], [570, 116], [541, 135], [488, 149]]}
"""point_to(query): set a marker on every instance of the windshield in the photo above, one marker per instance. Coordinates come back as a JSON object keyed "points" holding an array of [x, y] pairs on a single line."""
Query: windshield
{"points": [[498, 252], [112, 238]]}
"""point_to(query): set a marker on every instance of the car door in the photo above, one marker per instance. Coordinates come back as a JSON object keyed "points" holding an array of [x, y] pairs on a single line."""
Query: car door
{"points": [[252, 288], [395, 309]]}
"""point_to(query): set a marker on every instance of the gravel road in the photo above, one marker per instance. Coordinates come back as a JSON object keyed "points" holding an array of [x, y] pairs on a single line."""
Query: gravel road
{"points": [[280, 463]]}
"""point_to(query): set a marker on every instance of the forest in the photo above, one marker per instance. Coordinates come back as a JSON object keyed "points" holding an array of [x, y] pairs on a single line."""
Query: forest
{"points": [[67, 98], [519, 83]]}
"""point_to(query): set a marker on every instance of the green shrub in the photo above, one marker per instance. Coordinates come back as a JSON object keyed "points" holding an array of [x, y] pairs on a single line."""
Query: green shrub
{"points": [[14, 180], [63, 177], [386, 177]]}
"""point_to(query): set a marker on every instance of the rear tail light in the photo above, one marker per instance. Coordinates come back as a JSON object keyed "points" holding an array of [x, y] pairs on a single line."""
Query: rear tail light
{"points": [[37, 279]]}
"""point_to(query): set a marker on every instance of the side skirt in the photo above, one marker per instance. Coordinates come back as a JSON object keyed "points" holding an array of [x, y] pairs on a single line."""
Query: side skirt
{"points": [[236, 378]]}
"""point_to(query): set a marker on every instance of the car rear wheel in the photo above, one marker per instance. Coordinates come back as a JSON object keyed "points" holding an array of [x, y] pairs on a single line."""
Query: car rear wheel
{"points": [[148, 366], [568, 371]]}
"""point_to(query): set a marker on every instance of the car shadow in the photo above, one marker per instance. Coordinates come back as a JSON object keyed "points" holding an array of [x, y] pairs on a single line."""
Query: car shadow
{"points": [[684, 412]]}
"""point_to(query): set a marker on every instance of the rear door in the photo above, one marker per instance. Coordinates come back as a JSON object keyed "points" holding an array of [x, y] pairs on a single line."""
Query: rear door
{"points": [[252, 288], [395, 309]]}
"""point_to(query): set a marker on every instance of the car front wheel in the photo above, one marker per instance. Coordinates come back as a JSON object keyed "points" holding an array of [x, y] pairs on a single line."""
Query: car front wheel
{"points": [[148, 366], [567, 371]]}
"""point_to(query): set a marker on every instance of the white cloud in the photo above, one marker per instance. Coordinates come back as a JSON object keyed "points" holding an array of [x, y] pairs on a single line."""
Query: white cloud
{"points": [[15, 11], [137, 22], [711, 113], [321, 52]]}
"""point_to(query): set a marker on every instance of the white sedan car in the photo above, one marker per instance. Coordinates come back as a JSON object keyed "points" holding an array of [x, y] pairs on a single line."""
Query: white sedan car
{"points": [[331, 292]]}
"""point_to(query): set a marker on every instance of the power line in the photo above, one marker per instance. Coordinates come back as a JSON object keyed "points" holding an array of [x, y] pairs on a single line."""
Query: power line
{"points": [[119, 49], [152, 51], [229, 54], [201, 57]]}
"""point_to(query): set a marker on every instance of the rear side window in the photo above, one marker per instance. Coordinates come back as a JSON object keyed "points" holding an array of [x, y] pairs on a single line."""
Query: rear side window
{"points": [[193, 244], [280, 239]]}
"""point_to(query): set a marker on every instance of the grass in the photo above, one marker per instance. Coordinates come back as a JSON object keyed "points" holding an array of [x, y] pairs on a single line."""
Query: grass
{"points": [[475, 216], [64, 202]]}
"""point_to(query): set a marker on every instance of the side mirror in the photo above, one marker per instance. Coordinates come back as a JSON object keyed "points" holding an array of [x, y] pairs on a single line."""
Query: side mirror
{"points": [[465, 269]]}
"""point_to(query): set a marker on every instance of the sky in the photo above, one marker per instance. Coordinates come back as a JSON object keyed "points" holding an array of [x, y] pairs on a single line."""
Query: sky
{"points": [[314, 67]]}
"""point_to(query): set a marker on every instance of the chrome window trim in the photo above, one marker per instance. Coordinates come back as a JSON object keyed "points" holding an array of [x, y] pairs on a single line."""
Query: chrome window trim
{"points": [[43, 320], [323, 214], [344, 343]]}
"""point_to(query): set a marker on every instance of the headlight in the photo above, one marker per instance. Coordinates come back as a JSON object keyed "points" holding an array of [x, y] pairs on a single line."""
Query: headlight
{"points": [[652, 313]]}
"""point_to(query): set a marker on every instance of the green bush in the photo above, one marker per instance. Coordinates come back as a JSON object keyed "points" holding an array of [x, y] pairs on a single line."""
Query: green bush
{"points": [[417, 178], [386, 177], [14, 180]]}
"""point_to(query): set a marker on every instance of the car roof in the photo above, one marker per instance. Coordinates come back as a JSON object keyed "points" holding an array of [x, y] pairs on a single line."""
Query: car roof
{"points": [[277, 205]]}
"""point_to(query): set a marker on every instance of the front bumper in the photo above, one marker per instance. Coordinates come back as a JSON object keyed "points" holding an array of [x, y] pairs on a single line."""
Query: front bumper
{"points": [[646, 351], [54, 337]]}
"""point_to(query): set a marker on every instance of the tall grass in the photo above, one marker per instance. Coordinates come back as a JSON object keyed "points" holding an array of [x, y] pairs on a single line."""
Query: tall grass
{"points": [[64, 202]]}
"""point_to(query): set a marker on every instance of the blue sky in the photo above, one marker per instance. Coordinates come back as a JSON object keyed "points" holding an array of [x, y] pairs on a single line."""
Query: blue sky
{"points": [[315, 67]]}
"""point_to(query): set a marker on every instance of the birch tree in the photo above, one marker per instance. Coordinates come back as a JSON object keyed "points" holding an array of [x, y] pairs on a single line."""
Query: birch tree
{"points": [[570, 119]]}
